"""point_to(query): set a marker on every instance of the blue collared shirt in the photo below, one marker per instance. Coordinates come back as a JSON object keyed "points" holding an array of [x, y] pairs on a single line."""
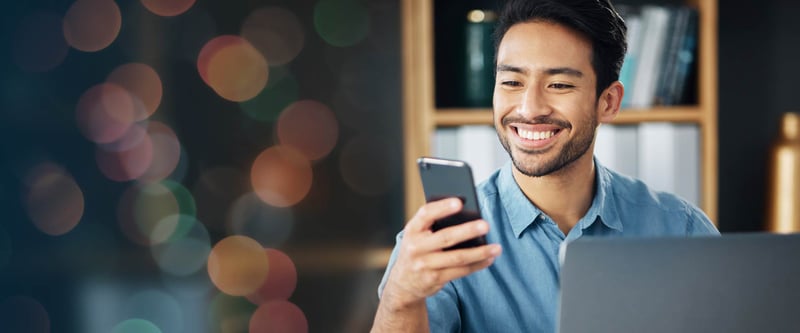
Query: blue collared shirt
{"points": [[519, 292]]}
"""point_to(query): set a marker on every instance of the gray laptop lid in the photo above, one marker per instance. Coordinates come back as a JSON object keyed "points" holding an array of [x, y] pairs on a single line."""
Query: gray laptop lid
{"points": [[734, 283]]}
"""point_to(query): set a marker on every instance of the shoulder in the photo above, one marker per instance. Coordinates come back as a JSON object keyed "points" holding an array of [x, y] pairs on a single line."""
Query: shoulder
{"points": [[639, 203]]}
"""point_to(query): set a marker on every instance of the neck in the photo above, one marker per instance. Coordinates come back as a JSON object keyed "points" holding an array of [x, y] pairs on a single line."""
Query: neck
{"points": [[565, 195]]}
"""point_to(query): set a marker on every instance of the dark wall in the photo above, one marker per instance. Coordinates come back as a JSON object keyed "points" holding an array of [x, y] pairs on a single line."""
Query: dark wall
{"points": [[759, 49]]}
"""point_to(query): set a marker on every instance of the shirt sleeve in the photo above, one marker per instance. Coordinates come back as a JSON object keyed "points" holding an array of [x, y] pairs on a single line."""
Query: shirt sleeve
{"points": [[699, 224], [443, 314], [392, 259]]}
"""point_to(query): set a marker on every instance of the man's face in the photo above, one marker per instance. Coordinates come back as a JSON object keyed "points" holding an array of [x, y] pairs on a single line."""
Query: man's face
{"points": [[545, 105]]}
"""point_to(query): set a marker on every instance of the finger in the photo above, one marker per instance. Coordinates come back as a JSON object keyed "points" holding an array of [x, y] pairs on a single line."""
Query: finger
{"points": [[459, 258], [432, 211], [447, 237], [449, 274]]}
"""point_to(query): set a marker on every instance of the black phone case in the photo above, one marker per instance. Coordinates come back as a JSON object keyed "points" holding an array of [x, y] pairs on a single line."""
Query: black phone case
{"points": [[445, 178]]}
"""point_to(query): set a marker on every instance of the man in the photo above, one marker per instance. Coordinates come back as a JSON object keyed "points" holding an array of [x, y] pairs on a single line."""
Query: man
{"points": [[558, 65]]}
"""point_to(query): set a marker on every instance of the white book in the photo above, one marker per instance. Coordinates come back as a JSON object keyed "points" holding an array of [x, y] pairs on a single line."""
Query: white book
{"points": [[445, 143], [478, 146], [617, 148], [669, 158], [655, 21]]}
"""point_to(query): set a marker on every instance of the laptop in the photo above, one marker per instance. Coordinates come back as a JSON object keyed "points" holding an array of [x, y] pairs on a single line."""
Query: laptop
{"points": [[746, 282]]}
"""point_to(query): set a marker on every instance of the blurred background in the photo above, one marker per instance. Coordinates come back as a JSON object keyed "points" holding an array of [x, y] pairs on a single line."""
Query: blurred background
{"points": [[161, 160]]}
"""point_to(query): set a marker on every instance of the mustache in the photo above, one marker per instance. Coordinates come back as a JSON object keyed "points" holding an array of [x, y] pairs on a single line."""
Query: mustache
{"points": [[538, 120]]}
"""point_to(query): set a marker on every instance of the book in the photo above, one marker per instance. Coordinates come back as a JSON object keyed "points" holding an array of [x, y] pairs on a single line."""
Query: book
{"points": [[669, 158], [477, 145], [655, 21], [633, 20], [685, 59], [616, 147]]}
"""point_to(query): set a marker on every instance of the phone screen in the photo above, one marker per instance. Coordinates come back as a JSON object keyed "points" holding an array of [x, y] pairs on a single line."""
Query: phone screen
{"points": [[445, 178]]}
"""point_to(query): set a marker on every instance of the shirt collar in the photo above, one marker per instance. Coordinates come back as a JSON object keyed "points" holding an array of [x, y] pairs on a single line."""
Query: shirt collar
{"points": [[522, 213]]}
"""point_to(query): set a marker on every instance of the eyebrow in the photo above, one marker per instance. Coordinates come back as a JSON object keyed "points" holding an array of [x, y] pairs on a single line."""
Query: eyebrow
{"points": [[549, 71]]}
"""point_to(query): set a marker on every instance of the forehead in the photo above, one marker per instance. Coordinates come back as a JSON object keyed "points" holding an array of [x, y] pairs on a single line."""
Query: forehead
{"points": [[544, 44]]}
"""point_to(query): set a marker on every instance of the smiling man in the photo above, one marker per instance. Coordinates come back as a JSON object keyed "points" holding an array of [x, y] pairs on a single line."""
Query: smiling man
{"points": [[557, 77]]}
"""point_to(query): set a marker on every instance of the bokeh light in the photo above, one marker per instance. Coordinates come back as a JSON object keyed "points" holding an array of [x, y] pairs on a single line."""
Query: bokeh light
{"points": [[168, 7], [166, 152], [54, 201], [281, 279], [39, 43], [238, 265], [229, 314], [92, 25], [157, 307], [154, 205], [281, 90], [105, 112], [310, 127], [178, 225], [136, 325], [281, 176], [210, 49], [128, 157], [278, 317], [186, 251], [251, 217], [233, 68], [215, 191], [144, 85], [341, 22], [133, 137], [22, 314], [275, 32], [152, 213], [368, 178]]}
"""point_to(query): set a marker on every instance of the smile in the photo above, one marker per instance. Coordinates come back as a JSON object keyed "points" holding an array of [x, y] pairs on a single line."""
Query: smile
{"points": [[535, 135]]}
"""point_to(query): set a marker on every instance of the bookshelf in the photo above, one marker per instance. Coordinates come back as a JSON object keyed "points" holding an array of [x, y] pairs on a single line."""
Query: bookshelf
{"points": [[421, 117]]}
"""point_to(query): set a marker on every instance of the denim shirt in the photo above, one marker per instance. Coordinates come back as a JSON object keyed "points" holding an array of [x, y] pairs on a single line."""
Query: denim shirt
{"points": [[519, 292]]}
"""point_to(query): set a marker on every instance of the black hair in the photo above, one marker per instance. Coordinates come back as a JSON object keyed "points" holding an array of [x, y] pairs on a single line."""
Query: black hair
{"points": [[595, 19]]}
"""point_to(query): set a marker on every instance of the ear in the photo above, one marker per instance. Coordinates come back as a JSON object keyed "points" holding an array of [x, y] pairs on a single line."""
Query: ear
{"points": [[609, 102]]}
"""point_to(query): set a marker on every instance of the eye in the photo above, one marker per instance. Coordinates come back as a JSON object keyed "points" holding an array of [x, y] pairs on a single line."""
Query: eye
{"points": [[561, 86], [510, 83]]}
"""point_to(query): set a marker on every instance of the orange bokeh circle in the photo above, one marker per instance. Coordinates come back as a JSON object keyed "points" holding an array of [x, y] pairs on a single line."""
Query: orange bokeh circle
{"points": [[238, 265], [168, 7], [233, 68], [281, 176]]}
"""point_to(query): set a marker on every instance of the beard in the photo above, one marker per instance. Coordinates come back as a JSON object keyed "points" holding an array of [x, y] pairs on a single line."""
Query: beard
{"points": [[533, 163]]}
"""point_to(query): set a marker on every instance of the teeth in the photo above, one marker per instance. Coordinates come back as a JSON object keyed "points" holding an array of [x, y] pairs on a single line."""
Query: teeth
{"points": [[531, 135]]}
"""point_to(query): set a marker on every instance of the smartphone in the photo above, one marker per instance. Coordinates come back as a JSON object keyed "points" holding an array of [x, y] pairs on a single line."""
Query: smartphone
{"points": [[446, 178]]}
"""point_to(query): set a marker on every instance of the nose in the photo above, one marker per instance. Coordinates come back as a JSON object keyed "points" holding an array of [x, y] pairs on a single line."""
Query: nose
{"points": [[534, 103]]}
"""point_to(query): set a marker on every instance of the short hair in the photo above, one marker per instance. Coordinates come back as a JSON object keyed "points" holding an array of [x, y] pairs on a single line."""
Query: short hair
{"points": [[595, 19]]}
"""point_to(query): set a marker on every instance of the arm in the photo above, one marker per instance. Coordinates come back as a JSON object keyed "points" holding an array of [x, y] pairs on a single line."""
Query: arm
{"points": [[423, 268]]}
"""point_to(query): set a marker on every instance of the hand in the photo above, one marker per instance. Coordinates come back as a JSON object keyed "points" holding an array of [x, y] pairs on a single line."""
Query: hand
{"points": [[423, 267]]}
